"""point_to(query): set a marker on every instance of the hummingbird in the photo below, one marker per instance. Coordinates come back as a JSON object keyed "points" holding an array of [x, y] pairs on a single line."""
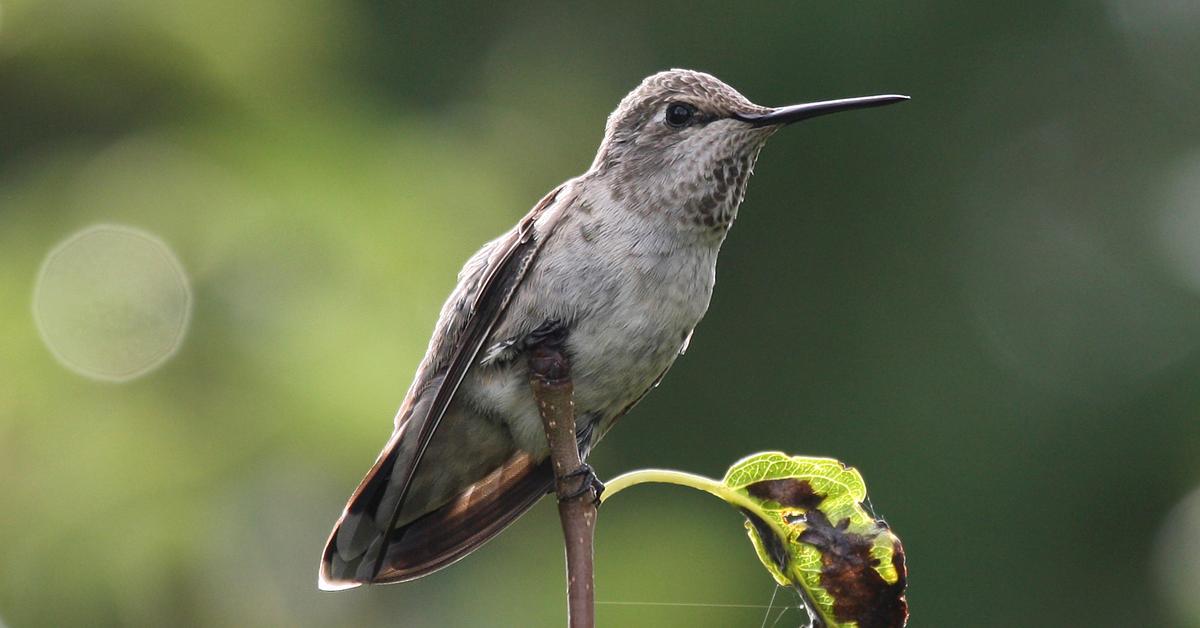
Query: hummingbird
{"points": [[618, 264]]}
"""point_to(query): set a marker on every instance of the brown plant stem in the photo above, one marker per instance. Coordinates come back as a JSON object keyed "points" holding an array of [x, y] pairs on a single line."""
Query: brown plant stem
{"points": [[550, 378]]}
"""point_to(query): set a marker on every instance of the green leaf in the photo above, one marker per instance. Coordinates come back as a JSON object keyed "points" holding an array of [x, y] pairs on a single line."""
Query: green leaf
{"points": [[810, 527]]}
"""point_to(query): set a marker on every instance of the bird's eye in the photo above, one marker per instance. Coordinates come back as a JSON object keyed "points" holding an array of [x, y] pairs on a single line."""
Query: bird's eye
{"points": [[679, 114]]}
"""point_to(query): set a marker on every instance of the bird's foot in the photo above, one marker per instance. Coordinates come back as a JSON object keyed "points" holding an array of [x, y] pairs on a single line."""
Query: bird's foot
{"points": [[589, 482]]}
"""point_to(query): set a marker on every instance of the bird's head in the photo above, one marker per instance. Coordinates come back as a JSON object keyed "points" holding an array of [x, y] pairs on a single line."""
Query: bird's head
{"points": [[686, 138]]}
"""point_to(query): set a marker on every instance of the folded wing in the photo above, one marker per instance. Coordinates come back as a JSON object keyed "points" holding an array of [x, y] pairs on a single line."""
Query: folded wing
{"points": [[369, 542]]}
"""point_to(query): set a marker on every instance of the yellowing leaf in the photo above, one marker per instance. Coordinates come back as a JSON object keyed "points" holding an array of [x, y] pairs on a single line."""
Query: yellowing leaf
{"points": [[809, 526]]}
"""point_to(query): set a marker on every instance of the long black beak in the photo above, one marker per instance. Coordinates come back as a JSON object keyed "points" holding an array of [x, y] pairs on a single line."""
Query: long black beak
{"points": [[796, 113]]}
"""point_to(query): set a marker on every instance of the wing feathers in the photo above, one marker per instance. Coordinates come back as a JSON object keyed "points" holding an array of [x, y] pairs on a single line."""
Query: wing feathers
{"points": [[366, 542], [481, 512]]}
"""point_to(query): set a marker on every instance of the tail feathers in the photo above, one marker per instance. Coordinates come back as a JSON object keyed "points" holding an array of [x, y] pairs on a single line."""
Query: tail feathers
{"points": [[436, 539], [354, 546]]}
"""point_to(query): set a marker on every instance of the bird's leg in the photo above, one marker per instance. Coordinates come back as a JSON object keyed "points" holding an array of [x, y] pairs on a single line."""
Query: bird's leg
{"points": [[588, 482]]}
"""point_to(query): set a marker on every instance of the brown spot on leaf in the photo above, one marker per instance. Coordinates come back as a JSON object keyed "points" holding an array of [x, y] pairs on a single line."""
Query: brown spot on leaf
{"points": [[788, 492], [848, 573], [774, 546]]}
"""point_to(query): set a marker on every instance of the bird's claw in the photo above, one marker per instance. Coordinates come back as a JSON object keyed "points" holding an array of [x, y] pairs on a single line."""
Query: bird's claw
{"points": [[590, 482]]}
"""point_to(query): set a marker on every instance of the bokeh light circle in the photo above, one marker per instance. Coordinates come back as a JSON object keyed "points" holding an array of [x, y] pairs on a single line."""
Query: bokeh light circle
{"points": [[1179, 221], [112, 302], [1055, 301], [1177, 559], [1163, 37]]}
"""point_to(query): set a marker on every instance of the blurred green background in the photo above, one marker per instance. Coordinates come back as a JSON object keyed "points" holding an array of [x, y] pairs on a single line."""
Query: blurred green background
{"points": [[985, 299]]}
